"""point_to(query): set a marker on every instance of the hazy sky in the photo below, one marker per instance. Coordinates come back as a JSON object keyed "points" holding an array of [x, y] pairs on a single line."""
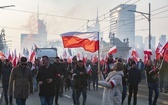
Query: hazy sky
{"points": [[21, 18]]}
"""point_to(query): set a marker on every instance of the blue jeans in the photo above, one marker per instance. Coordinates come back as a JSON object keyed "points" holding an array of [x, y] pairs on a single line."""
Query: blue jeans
{"points": [[46, 100], [35, 85], [153, 87], [124, 93], [21, 101]]}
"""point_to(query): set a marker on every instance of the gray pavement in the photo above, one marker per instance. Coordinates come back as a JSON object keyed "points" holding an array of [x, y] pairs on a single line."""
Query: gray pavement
{"points": [[96, 96], [143, 93]]}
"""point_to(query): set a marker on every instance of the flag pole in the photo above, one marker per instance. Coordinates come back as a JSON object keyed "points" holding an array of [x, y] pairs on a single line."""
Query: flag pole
{"points": [[99, 72]]}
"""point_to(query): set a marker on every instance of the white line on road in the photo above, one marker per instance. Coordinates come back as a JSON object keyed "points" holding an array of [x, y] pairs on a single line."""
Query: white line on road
{"points": [[67, 96]]}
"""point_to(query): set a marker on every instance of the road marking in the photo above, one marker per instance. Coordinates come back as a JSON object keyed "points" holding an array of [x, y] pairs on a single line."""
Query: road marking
{"points": [[67, 96]]}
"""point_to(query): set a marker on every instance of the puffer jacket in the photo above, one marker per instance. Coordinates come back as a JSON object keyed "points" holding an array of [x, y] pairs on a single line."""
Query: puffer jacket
{"points": [[112, 94]]}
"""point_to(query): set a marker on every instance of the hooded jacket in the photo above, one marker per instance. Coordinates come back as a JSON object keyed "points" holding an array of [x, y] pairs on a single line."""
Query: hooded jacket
{"points": [[112, 94]]}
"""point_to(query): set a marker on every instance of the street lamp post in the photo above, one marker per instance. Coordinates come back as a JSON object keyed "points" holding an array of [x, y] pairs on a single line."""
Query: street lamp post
{"points": [[149, 20], [2, 33], [2, 7]]}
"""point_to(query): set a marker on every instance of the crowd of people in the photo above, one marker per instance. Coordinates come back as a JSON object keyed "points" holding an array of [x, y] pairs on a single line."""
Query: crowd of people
{"points": [[52, 79]]}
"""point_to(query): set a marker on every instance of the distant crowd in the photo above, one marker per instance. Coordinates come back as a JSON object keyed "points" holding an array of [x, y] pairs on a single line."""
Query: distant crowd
{"points": [[50, 80]]}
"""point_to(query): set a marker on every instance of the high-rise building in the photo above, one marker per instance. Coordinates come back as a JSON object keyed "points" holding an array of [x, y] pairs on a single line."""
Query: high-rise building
{"points": [[162, 39], [139, 41], [96, 27], [153, 43], [39, 39], [122, 22]]}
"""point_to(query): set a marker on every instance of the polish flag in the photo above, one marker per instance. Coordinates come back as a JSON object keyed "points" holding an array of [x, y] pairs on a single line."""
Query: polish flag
{"points": [[32, 56], [165, 57], [14, 62], [10, 57], [102, 62], [2, 55], [64, 54], [35, 46], [146, 58], [135, 55], [88, 40], [163, 49], [157, 52], [78, 56], [95, 59], [148, 51], [69, 59], [89, 70], [112, 50], [84, 60]]}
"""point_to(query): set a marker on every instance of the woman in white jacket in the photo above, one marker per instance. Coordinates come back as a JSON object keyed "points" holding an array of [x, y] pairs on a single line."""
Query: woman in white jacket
{"points": [[112, 94]]}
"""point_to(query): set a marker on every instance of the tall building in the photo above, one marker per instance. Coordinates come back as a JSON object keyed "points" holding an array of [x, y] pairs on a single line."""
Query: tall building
{"points": [[96, 27], [162, 39], [122, 22], [153, 43], [139, 41], [39, 39]]}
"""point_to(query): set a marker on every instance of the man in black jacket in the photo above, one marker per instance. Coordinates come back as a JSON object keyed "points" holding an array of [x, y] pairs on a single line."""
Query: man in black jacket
{"points": [[134, 78], [6, 71], [46, 80], [80, 83], [152, 79], [59, 76]]}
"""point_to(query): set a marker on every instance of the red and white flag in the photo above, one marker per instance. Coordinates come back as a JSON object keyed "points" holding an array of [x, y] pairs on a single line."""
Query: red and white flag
{"points": [[102, 62], [10, 57], [78, 56], [135, 55], [32, 56], [157, 52], [84, 60], [64, 54], [15, 59], [69, 59], [35, 46], [148, 51], [95, 59], [163, 49], [146, 58], [88, 40], [2, 55], [112, 50], [165, 56]]}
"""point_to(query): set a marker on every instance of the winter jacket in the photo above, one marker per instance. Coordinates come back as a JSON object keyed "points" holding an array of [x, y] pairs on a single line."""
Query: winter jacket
{"points": [[112, 94], [60, 71], [46, 89], [80, 80], [134, 76], [6, 71], [21, 83], [152, 75]]}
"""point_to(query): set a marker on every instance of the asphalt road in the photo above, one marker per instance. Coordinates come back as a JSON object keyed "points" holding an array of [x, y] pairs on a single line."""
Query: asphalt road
{"points": [[93, 98]]}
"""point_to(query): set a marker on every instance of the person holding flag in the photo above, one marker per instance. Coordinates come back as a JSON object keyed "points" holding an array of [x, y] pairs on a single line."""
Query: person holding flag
{"points": [[152, 80]]}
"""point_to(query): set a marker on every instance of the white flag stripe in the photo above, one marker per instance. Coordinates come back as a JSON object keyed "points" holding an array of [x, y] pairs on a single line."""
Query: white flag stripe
{"points": [[85, 35]]}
